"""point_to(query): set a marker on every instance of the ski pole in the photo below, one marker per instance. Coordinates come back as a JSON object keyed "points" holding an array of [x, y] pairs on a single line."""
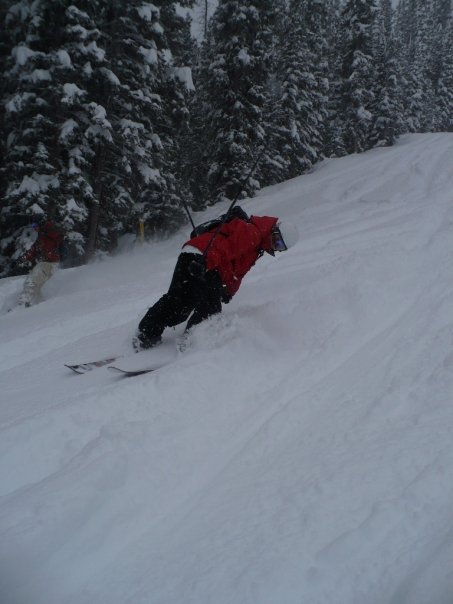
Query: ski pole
{"points": [[185, 206], [236, 197]]}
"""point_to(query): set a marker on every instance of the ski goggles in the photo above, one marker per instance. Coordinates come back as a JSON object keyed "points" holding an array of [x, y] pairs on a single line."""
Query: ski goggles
{"points": [[34, 225], [277, 241]]}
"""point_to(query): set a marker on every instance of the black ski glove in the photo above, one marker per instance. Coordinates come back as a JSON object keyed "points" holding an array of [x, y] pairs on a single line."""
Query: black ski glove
{"points": [[226, 297]]}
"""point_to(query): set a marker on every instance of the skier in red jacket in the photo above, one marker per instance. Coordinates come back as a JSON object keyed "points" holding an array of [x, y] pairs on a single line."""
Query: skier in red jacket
{"points": [[210, 270], [45, 253]]}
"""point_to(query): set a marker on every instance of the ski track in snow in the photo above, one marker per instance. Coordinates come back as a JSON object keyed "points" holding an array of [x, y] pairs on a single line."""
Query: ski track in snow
{"points": [[299, 451]]}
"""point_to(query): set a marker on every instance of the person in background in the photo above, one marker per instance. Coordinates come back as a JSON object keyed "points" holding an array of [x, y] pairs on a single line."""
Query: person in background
{"points": [[45, 254], [209, 271]]}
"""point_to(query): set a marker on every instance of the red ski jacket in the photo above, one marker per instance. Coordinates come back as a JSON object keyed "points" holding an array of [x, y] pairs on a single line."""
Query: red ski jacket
{"points": [[236, 248], [46, 247]]}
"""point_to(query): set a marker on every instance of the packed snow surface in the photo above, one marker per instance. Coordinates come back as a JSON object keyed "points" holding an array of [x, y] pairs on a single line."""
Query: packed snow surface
{"points": [[299, 451]]}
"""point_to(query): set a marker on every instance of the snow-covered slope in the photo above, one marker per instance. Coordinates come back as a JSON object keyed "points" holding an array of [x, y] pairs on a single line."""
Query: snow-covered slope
{"points": [[299, 452]]}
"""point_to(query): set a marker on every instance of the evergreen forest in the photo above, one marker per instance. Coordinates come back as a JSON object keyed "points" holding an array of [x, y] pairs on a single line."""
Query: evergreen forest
{"points": [[113, 115]]}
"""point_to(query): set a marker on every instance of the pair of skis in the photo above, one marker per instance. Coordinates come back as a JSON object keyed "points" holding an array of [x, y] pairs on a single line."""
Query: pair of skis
{"points": [[82, 368], [167, 352]]}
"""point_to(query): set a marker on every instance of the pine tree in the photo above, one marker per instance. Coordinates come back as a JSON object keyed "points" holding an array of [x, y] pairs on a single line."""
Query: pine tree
{"points": [[180, 93], [334, 143], [299, 117], [5, 46], [235, 71], [424, 61], [94, 100], [445, 85], [358, 73], [317, 42], [195, 139], [82, 124], [387, 110], [133, 171], [443, 66], [414, 32], [32, 160], [202, 13]]}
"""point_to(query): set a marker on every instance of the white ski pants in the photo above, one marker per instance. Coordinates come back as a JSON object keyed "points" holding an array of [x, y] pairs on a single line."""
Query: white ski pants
{"points": [[39, 274]]}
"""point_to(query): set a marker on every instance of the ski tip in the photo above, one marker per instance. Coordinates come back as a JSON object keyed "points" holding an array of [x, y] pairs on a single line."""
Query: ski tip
{"points": [[129, 373], [115, 369], [85, 367], [74, 369]]}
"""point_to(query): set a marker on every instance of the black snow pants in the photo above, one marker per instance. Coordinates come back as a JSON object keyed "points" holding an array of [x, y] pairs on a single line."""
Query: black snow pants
{"points": [[193, 289]]}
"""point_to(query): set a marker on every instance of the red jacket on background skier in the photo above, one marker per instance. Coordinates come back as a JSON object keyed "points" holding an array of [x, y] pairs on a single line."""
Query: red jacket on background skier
{"points": [[45, 253], [210, 270], [46, 248]]}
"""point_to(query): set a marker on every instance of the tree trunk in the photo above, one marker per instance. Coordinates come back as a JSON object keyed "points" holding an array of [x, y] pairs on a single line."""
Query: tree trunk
{"points": [[92, 230], [205, 19]]}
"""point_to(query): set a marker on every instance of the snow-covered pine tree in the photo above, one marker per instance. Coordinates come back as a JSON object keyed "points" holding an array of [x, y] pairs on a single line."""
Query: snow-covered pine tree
{"points": [[443, 66], [414, 28], [93, 103], [178, 95], [82, 68], [5, 47], [135, 176], [387, 109], [233, 84], [318, 14], [445, 84], [32, 159], [196, 142], [440, 12], [202, 13], [299, 114], [424, 60], [334, 145], [358, 73], [276, 119]]}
